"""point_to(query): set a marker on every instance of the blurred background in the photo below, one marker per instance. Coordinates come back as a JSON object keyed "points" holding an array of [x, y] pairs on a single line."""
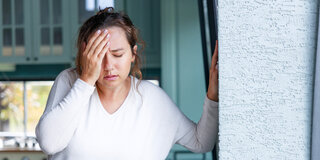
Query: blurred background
{"points": [[37, 42]]}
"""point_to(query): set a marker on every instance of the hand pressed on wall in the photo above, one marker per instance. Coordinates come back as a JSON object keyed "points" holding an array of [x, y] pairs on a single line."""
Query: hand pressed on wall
{"points": [[213, 88]]}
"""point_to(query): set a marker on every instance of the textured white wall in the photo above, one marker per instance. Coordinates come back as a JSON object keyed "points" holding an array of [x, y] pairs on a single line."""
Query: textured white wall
{"points": [[266, 54]]}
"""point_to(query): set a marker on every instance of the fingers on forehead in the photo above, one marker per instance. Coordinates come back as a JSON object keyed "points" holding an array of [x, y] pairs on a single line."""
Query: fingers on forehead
{"points": [[97, 38]]}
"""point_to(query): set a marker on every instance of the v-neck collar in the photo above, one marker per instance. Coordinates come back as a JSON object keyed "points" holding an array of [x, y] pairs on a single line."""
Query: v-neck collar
{"points": [[122, 107]]}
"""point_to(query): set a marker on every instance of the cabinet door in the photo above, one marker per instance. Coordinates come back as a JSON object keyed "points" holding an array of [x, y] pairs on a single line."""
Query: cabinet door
{"points": [[14, 31], [50, 31]]}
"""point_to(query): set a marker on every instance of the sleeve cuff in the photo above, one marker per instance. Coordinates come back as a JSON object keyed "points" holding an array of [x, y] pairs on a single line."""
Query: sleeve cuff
{"points": [[84, 86], [210, 102]]}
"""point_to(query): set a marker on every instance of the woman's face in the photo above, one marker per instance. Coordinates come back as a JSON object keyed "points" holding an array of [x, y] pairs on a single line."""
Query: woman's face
{"points": [[117, 61]]}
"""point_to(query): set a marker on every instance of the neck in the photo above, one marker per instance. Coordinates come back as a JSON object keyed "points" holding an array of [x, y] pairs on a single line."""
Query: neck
{"points": [[116, 92]]}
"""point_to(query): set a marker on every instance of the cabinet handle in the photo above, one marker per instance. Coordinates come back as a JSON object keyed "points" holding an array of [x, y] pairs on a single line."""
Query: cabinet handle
{"points": [[35, 58], [5, 158], [28, 58]]}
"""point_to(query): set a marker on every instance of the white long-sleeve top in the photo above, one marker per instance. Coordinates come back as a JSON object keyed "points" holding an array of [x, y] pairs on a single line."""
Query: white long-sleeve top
{"points": [[75, 126]]}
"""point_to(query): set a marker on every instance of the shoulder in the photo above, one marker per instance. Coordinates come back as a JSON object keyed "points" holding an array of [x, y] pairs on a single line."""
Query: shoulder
{"points": [[68, 73], [159, 103], [148, 88], [68, 76], [154, 95]]}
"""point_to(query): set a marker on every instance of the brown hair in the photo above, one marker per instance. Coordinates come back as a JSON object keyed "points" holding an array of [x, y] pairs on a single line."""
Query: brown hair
{"points": [[108, 18]]}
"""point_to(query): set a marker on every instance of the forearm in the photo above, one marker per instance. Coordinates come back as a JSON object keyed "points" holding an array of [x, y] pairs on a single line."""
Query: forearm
{"points": [[56, 127], [207, 127], [201, 137]]}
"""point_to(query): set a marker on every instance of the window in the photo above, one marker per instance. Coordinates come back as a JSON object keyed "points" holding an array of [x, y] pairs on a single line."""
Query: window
{"points": [[11, 107], [87, 8], [21, 106]]}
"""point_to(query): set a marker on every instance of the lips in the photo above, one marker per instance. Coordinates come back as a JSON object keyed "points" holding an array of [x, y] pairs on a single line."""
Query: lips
{"points": [[110, 77]]}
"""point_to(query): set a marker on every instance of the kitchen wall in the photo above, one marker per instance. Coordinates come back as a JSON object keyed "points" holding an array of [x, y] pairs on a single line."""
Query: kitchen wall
{"points": [[266, 57]]}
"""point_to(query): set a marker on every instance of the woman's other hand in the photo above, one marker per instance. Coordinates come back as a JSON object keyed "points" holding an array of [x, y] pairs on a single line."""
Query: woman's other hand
{"points": [[92, 56], [213, 92]]}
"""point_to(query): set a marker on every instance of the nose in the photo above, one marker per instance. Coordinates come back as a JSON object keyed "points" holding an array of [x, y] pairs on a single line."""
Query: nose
{"points": [[108, 64]]}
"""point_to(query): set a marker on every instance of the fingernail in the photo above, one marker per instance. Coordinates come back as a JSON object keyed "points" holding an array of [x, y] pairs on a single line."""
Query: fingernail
{"points": [[105, 31], [98, 31], [108, 35], [108, 43]]}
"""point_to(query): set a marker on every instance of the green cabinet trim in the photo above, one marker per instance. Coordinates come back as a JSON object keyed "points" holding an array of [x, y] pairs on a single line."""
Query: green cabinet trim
{"points": [[34, 72]]}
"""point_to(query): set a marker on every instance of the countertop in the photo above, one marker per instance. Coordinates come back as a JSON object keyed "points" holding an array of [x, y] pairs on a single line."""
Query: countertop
{"points": [[17, 149]]}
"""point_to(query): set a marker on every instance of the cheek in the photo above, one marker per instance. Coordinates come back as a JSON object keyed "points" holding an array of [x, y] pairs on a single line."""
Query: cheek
{"points": [[124, 65]]}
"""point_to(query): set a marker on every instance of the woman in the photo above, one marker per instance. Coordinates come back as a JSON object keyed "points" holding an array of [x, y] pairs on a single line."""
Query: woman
{"points": [[97, 111]]}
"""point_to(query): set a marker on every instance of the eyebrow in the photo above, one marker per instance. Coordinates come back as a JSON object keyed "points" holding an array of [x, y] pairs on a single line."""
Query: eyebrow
{"points": [[116, 50]]}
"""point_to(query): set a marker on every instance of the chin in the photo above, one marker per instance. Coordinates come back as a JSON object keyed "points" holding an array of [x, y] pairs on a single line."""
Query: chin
{"points": [[110, 83]]}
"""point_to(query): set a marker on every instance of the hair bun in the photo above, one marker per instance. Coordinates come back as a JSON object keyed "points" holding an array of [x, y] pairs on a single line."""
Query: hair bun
{"points": [[106, 10]]}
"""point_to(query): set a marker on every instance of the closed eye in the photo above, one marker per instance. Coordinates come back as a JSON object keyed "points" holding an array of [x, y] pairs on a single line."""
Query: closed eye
{"points": [[118, 55], [117, 52]]}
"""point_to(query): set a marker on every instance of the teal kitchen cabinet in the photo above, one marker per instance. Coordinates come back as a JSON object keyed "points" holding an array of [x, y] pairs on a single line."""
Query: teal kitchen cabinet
{"points": [[51, 31], [45, 31], [15, 30], [34, 31]]}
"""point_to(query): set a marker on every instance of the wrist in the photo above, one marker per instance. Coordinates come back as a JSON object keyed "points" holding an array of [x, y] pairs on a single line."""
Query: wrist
{"points": [[87, 80], [213, 97]]}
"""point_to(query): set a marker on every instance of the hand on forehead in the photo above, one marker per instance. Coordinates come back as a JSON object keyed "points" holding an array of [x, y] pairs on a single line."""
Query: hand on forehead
{"points": [[117, 38]]}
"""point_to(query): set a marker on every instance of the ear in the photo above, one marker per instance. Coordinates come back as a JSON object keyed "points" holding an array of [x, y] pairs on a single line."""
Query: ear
{"points": [[135, 48]]}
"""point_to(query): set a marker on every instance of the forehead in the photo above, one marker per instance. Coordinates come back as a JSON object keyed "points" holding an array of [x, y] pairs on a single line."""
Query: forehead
{"points": [[117, 34], [118, 38]]}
